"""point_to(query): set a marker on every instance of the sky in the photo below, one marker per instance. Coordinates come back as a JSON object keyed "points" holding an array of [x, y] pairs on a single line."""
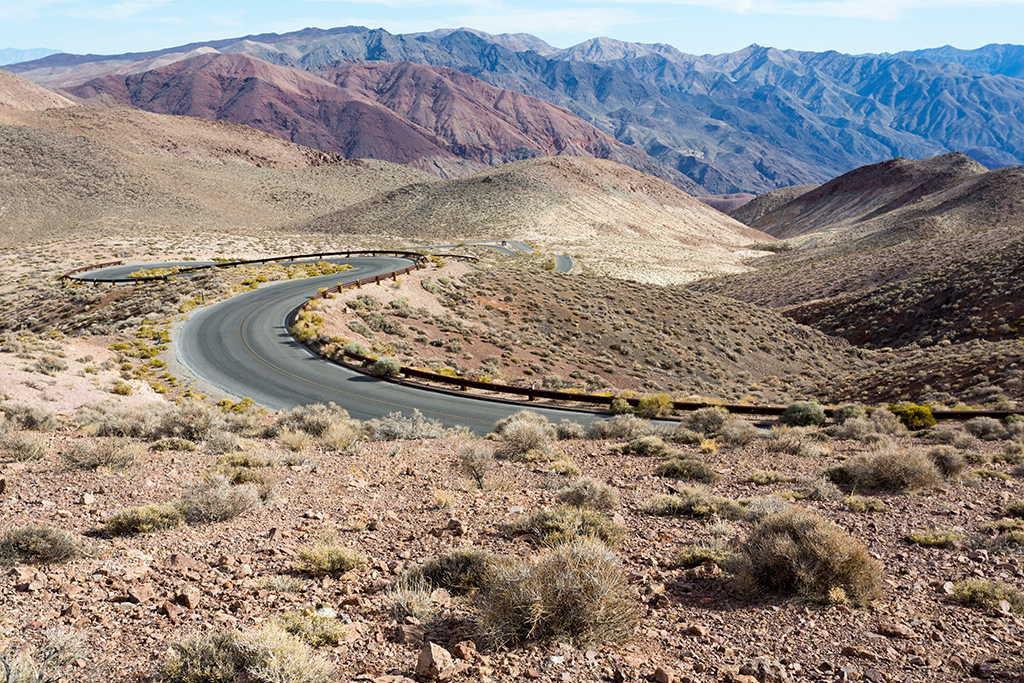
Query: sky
{"points": [[693, 26]]}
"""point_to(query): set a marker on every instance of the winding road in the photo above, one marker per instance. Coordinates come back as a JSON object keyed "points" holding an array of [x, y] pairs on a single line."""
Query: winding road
{"points": [[242, 346]]}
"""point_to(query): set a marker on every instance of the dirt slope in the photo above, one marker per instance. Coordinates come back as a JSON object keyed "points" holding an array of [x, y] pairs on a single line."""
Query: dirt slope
{"points": [[17, 93], [625, 223]]}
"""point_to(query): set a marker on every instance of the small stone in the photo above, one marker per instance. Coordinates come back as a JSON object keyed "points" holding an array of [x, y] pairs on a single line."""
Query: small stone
{"points": [[87, 499], [697, 630], [178, 561], [457, 527], [464, 649], [532, 674], [848, 673], [3, 484], [275, 535], [434, 662], [32, 582], [860, 652], [891, 629], [188, 598], [874, 676], [410, 634], [171, 610], [663, 675], [141, 594]]}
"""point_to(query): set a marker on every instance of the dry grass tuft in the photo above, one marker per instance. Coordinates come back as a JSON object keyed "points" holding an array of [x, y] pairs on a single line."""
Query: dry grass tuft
{"points": [[888, 469], [576, 592], [796, 551], [116, 454], [566, 523], [691, 502], [590, 493], [144, 519], [38, 545], [327, 558], [989, 596]]}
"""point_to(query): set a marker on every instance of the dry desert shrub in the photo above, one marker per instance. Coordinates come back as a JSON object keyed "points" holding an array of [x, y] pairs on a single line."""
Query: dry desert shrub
{"points": [[397, 427], [948, 460], [411, 596], [576, 592], [50, 661], [985, 428], [989, 596], [934, 538], [803, 414], [951, 436], [819, 489], [114, 454], [29, 417], [886, 422], [173, 444], [328, 558], [257, 458], [706, 421], [24, 447], [692, 502], [476, 462], [865, 504], [701, 553], [460, 569], [38, 545], [144, 519], [590, 493], [686, 466], [763, 478], [314, 628], [888, 469], [737, 432], [294, 440], [189, 420], [239, 476], [315, 419], [267, 655], [216, 499], [620, 427], [790, 440], [567, 430], [645, 447], [524, 432], [796, 551], [566, 523], [848, 411]]}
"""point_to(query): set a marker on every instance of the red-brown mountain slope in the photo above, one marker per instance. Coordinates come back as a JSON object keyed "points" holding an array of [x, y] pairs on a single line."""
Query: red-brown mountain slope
{"points": [[433, 118], [18, 94]]}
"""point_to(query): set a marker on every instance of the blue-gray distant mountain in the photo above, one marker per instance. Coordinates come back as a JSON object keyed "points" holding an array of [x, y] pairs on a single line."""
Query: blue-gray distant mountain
{"points": [[751, 120], [10, 55], [1000, 59]]}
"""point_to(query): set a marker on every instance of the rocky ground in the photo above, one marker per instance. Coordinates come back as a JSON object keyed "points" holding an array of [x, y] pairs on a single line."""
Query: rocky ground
{"points": [[403, 502]]}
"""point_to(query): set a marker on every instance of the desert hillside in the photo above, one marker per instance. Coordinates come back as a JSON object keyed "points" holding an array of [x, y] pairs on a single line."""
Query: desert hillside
{"points": [[623, 222]]}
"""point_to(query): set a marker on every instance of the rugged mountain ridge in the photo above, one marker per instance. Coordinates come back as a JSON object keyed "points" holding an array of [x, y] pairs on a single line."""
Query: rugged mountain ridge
{"points": [[752, 120], [432, 118]]}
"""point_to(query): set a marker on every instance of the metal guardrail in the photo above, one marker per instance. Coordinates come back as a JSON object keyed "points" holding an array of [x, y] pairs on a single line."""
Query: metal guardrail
{"points": [[179, 270]]}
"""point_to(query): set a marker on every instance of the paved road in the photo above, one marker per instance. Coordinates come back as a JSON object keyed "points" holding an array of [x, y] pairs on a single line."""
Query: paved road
{"points": [[242, 346]]}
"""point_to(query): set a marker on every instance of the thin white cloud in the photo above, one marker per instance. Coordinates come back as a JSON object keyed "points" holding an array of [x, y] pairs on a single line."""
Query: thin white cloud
{"points": [[841, 9]]}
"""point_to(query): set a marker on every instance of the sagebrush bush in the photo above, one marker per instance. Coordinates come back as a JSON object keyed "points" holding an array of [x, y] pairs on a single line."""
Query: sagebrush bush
{"points": [[397, 427], [316, 630], [189, 420], [654, 406], [848, 411], [458, 570], [144, 519], [567, 430], [692, 502], [706, 421], [803, 414], [386, 367], [819, 489], [257, 458], [985, 428], [24, 447], [762, 478], [988, 595], [698, 554], [327, 558], [314, 419], [30, 417], [887, 422], [888, 469], [865, 504], [566, 523], [645, 446], [688, 467], [411, 596], [173, 443], [619, 428], [737, 432], [50, 661], [796, 551], [576, 592], [263, 482], [948, 460], [115, 454], [789, 440], [588, 492], [476, 462], [215, 499], [266, 655], [38, 545], [115, 419], [294, 440], [934, 538], [524, 432]]}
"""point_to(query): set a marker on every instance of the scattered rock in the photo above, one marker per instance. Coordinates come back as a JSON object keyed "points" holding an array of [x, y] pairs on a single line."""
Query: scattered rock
{"points": [[142, 593], [435, 662], [188, 598], [410, 634], [464, 649], [664, 675]]}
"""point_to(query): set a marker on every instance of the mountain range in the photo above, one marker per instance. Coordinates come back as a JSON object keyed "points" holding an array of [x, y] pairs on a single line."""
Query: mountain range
{"points": [[748, 121]]}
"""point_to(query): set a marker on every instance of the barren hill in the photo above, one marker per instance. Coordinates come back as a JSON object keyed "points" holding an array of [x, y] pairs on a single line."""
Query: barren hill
{"points": [[433, 118], [78, 169], [18, 93], [868, 193], [628, 223], [769, 201]]}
